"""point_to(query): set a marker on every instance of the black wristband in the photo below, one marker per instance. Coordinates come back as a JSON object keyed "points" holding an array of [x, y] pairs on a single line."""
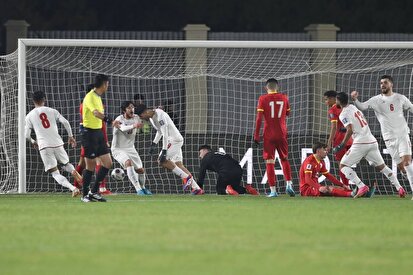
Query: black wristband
{"points": [[107, 119]]}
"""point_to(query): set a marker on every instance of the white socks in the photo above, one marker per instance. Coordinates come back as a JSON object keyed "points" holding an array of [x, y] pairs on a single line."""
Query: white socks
{"points": [[62, 180], [289, 184], [272, 189], [142, 179], [409, 174], [352, 176], [133, 177], [68, 167], [388, 173], [180, 173]]}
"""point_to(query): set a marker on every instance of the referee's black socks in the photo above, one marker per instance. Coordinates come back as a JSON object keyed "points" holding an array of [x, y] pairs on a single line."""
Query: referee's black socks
{"points": [[103, 171], [87, 177]]}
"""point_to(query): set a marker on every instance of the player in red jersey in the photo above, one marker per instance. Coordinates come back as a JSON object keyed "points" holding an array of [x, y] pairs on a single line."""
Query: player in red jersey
{"points": [[311, 169], [337, 130], [81, 164], [274, 108]]}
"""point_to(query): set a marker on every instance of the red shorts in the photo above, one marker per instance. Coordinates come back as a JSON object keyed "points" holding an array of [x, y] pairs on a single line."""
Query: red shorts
{"points": [[270, 146], [82, 151], [309, 191]]}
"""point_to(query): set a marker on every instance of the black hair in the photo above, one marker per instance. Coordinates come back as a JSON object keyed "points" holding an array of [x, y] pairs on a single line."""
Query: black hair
{"points": [[318, 145], [271, 80], [39, 96], [387, 77], [343, 98], [205, 147], [125, 104], [140, 108], [330, 93], [89, 87], [139, 97], [100, 79]]}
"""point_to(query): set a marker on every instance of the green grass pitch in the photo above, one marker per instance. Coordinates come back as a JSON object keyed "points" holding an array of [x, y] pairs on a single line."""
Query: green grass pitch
{"points": [[177, 234]]}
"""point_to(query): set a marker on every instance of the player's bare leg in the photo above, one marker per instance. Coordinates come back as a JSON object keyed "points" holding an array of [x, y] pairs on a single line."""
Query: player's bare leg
{"points": [[388, 173], [79, 168]]}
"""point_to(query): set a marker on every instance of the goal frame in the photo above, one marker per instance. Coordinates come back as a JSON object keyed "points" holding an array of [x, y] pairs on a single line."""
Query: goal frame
{"points": [[24, 43]]}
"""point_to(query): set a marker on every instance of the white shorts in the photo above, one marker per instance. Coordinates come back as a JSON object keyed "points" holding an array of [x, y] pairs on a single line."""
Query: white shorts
{"points": [[51, 156], [122, 155], [399, 147], [358, 151], [174, 152]]}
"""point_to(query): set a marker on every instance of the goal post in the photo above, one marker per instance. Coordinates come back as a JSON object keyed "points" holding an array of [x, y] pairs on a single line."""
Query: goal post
{"points": [[232, 74]]}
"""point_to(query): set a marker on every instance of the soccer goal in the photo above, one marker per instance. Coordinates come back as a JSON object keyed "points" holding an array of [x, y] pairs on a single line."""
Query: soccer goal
{"points": [[209, 88]]}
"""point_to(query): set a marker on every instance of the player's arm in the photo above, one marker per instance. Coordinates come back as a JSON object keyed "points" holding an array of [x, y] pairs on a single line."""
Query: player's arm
{"points": [[202, 172], [407, 104], [66, 124], [125, 128], [346, 138], [361, 105], [288, 107], [333, 130], [330, 177], [258, 121], [28, 133], [310, 180]]}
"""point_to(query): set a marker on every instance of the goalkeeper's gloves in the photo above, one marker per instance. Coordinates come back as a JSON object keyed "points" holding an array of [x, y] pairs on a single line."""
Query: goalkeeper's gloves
{"points": [[162, 157], [152, 150], [338, 148]]}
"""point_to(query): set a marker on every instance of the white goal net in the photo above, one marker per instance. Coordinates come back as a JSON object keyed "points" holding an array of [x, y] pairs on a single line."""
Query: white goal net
{"points": [[209, 88]]}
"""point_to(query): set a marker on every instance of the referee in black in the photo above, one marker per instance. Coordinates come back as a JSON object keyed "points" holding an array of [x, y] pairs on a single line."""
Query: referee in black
{"points": [[228, 169], [93, 140]]}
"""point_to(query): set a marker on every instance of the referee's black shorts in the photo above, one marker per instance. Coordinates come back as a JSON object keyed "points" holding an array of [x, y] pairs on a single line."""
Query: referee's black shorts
{"points": [[94, 143]]}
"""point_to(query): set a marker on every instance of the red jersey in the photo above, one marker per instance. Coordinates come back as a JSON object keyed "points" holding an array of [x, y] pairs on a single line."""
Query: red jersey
{"points": [[275, 108], [310, 171], [105, 134], [333, 116]]}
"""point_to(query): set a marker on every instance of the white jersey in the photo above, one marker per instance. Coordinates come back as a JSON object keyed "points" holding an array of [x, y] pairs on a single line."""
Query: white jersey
{"points": [[43, 121], [361, 130], [124, 137], [389, 112], [165, 128]]}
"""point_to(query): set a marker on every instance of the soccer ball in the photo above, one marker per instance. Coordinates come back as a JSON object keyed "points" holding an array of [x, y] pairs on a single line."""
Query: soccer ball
{"points": [[118, 174]]}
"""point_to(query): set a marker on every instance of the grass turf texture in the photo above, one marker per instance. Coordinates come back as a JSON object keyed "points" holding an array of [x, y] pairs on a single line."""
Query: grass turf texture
{"points": [[175, 234]]}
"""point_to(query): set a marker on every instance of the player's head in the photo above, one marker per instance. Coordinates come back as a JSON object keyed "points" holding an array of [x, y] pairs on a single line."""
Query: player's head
{"points": [[143, 112], [101, 82], [330, 97], [271, 84], [320, 149], [386, 84], [139, 98], [342, 99], [39, 97], [203, 150], [127, 108]]}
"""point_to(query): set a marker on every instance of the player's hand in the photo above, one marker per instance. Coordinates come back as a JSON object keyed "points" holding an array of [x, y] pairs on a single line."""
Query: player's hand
{"points": [[323, 189], [354, 95], [256, 141], [162, 157], [108, 144], [116, 124], [138, 125], [338, 148], [152, 150], [81, 128], [328, 149], [35, 145], [72, 142]]}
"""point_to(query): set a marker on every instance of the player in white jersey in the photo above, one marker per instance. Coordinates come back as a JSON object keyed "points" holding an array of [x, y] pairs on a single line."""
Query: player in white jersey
{"points": [[123, 147], [364, 146], [43, 120], [388, 107], [172, 141]]}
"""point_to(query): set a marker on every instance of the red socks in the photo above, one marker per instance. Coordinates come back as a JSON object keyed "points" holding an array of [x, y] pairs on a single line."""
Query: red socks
{"points": [[286, 169], [340, 193], [79, 169], [270, 173]]}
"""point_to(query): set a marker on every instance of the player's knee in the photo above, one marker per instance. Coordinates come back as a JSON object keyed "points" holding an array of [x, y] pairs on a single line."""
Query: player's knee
{"points": [[128, 163], [140, 171], [52, 170]]}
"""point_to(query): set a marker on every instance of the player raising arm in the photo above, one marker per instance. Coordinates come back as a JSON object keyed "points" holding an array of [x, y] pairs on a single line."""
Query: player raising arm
{"points": [[123, 147], [274, 108], [310, 170], [43, 120], [364, 146], [172, 141], [388, 107]]}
